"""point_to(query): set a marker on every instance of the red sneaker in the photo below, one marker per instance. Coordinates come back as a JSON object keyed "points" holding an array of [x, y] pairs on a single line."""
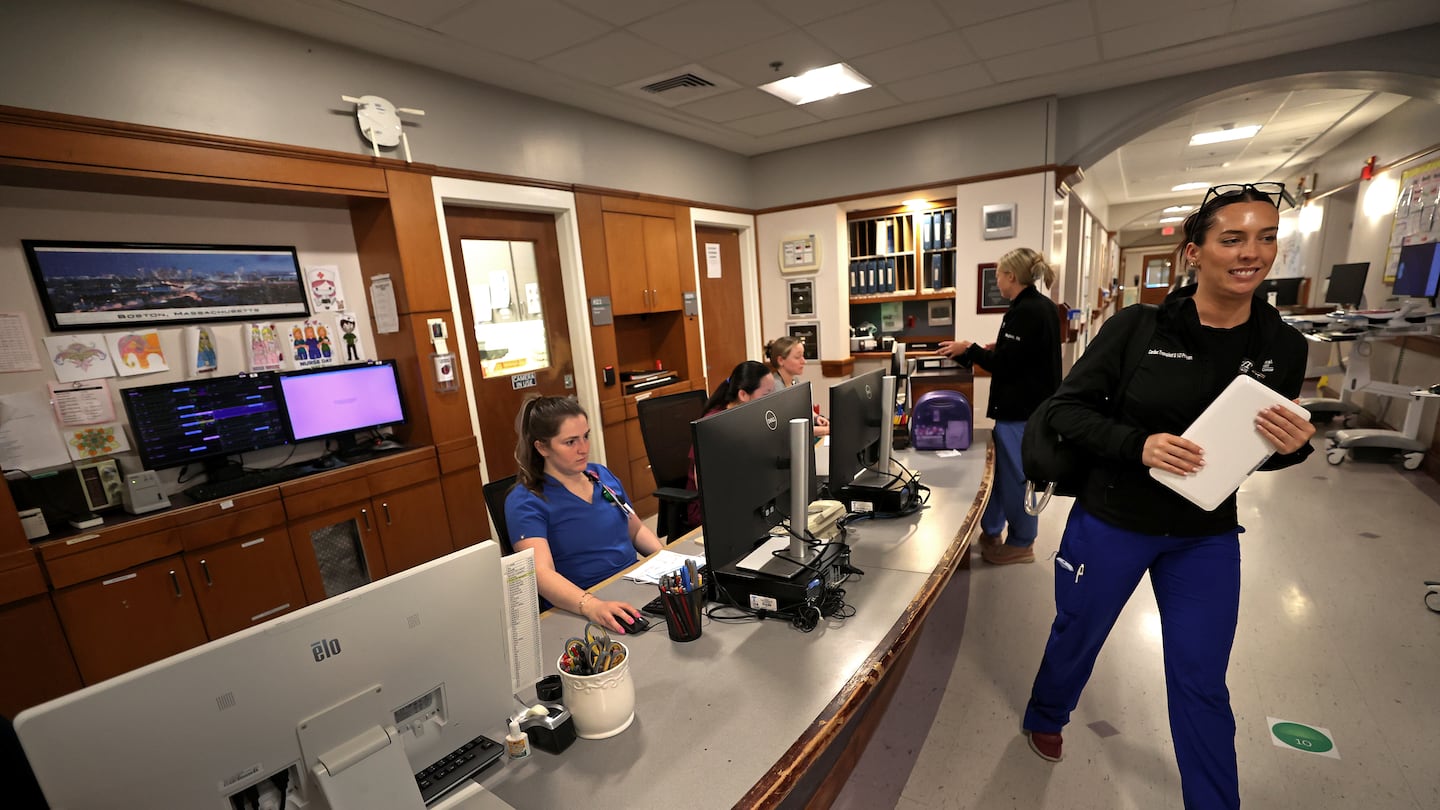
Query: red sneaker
{"points": [[1048, 746]]}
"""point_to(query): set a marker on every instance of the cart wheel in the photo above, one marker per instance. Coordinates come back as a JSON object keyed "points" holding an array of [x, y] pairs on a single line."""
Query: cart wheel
{"points": [[1336, 455], [1412, 460]]}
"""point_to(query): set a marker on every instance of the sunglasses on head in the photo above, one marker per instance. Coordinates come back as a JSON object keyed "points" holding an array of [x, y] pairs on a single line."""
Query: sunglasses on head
{"points": [[1275, 192]]}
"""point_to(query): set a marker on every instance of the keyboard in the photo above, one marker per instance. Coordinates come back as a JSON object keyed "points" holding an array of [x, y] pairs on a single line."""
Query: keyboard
{"points": [[251, 479], [457, 766]]}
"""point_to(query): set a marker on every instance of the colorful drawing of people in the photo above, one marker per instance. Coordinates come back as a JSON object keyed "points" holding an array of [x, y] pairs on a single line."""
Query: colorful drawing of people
{"points": [[205, 359], [312, 343], [297, 337], [322, 292], [324, 334], [347, 325]]}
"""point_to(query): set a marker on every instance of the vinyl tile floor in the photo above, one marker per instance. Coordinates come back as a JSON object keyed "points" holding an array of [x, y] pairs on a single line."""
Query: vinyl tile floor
{"points": [[1334, 635]]}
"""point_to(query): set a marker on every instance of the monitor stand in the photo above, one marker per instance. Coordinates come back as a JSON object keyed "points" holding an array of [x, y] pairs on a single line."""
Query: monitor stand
{"points": [[221, 469]]}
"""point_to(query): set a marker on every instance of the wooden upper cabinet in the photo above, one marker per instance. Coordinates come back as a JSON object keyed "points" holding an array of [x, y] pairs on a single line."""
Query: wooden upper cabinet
{"points": [[662, 263], [644, 264]]}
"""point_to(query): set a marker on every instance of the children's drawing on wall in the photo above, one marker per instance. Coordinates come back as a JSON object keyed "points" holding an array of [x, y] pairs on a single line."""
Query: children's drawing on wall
{"points": [[350, 337], [79, 357], [264, 343], [201, 359], [310, 344], [93, 441], [136, 352], [323, 282]]}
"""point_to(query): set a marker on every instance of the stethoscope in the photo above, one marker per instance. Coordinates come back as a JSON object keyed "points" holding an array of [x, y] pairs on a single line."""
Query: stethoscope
{"points": [[609, 495]]}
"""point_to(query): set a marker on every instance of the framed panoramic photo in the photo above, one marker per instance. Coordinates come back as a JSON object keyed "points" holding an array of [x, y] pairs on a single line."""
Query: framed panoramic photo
{"points": [[85, 285]]}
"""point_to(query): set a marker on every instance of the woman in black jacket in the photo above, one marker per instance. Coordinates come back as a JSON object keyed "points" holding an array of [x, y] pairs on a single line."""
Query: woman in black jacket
{"points": [[1024, 365], [1125, 524]]}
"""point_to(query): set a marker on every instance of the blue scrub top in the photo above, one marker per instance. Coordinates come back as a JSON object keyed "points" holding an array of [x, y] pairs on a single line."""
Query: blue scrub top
{"points": [[590, 542]]}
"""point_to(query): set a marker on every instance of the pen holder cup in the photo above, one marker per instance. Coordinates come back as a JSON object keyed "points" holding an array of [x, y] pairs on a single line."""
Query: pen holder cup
{"points": [[683, 613], [602, 705]]}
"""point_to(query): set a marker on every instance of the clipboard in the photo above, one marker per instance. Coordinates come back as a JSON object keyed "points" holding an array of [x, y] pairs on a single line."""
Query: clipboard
{"points": [[1234, 448]]}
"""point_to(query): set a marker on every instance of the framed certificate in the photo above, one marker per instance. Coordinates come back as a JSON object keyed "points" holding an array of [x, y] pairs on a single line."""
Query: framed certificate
{"points": [[802, 299]]}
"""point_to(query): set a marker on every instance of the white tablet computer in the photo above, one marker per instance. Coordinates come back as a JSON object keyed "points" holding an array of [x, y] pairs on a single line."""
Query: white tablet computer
{"points": [[1233, 446]]}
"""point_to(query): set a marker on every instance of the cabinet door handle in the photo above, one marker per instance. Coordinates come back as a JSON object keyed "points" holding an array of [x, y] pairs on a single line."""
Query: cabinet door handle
{"points": [[175, 581], [205, 569], [386, 507], [365, 513]]}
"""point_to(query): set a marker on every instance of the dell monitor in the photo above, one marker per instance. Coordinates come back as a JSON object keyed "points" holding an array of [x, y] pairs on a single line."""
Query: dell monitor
{"points": [[1347, 285], [377, 684], [742, 465], [337, 402], [1286, 290], [1418, 272], [857, 423], [205, 420]]}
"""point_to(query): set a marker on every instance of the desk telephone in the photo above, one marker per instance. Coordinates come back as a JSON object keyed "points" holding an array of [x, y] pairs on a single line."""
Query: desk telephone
{"points": [[822, 519]]}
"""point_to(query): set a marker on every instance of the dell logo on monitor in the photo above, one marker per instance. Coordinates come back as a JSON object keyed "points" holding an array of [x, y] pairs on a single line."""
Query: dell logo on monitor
{"points": [[869, 392], [325, 648], [771, 420]]}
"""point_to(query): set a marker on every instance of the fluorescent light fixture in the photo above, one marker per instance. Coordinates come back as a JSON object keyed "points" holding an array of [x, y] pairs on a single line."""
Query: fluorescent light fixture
{"points": [[1178, 209], [1312, 216], [1191, 186], [1167, 220], [822, 82], [1223, 135], [918, 205], [1380, 197]]}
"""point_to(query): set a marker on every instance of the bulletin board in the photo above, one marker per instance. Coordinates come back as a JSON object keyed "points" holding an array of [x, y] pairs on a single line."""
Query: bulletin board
{"points": [[1417, 213]]}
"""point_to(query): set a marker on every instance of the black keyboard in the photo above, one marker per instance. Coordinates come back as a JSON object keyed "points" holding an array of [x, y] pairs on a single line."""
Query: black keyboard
{"points": [[250, 479], [457, 766]]}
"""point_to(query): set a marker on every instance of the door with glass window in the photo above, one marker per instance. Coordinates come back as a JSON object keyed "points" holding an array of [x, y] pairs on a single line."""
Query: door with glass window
{"points": [[1159, 269], [512, 302]]}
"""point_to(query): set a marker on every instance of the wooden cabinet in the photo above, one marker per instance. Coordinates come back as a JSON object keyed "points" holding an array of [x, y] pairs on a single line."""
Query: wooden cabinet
{"points": [[644, 264], [245, 581], [337, 550], [130, 618], [902, 255]]}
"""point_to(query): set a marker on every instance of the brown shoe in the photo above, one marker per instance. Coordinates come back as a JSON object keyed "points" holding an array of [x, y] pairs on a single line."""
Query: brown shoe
{"points": [[1003, 554], [986, 541], [1048, 746]]}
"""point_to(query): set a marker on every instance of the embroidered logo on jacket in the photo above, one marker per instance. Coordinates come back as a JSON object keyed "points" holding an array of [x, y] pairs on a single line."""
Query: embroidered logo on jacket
{"points": [[1171, 355], [1248, 367]]}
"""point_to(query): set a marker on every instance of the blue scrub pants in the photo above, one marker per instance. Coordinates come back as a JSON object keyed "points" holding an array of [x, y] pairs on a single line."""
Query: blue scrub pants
{"points": [[1007, 500], [1197, 589]]}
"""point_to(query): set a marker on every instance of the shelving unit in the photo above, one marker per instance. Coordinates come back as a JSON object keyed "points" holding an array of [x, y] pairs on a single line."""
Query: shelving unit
{"points": [[897, 254]]}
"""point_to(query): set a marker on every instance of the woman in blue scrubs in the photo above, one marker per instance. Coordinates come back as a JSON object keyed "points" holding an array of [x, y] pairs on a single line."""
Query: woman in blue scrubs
{"points": [[573, 513]]}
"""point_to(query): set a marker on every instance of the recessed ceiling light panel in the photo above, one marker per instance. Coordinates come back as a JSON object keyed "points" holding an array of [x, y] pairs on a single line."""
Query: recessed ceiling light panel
{"points": [[820, 83], [1223, 135]]}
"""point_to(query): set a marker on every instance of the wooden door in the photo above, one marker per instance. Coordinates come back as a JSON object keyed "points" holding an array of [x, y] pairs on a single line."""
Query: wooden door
{"points": [[530, 241], [245, 581], [130, 619], [662, 264], [722, 303], [337, 550], [413, 525], [1157, 273]]}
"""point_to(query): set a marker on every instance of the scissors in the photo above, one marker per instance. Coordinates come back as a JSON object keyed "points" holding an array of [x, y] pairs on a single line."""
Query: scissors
{"points": [[592, 653]]}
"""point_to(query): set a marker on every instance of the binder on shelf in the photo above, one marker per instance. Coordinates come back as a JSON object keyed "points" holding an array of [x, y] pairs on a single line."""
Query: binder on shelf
{"points": [[949, 240], [936, 270], [937, 229], [925, 229], [890, 275], [853, 285]]}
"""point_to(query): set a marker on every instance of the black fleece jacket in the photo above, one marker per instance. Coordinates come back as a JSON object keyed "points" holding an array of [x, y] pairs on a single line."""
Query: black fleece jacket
{"points": [[1025, 362], [1185, 368]]}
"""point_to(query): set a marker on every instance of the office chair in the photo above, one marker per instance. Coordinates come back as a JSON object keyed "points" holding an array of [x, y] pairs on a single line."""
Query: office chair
{"points": [[665, 429], [495, 493]]}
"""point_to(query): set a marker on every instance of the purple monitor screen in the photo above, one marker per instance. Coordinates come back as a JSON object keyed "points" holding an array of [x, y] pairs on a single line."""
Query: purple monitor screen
{"points": [[341, 400]]}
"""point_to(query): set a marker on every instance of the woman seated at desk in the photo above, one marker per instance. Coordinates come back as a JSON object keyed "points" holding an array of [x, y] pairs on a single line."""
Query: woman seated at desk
{"points": [[573, 513], [786, 357], [748, 381]]}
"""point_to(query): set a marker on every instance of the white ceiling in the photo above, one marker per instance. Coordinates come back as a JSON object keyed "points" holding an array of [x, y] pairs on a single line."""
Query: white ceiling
{"points": [[926, 58]]}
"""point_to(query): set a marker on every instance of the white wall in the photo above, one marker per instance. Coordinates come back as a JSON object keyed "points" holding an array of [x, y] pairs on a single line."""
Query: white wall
{"points": [[321, 236]]}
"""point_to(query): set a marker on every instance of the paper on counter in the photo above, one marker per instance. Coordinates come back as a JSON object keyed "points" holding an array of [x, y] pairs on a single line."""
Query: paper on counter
{"points": [[664, 562]]}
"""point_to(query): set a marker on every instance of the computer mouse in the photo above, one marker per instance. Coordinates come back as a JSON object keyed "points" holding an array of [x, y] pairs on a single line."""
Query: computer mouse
{"points": [[638, 624]]}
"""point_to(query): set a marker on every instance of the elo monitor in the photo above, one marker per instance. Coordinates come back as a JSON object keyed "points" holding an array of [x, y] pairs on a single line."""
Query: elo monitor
{"points": [[377, 684], [857, 422], [1347, 284], [342, 400], [1418, 273], [742, 465], [205, 420]]}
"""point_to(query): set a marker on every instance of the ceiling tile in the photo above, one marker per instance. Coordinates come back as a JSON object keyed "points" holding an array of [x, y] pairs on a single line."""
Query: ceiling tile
{"points": [[862, 101], [1161, 34], [771, 123], [1054, 59], [423, 13], [620, 12], [734, 106], [530, 30], [614, 59], [881, 26], [703, 29], [804, 12], [1024, 34], [916, 59], [1260, 13], [943, 83], [973, 12], [750, 65], [1113, 15]]}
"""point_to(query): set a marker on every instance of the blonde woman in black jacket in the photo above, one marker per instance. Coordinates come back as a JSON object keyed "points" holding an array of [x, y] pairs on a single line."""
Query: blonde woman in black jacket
{"points": [[1024, 366]]}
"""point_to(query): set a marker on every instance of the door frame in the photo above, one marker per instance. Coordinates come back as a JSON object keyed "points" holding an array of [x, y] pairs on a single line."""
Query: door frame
{"points": [[561, 204], [749, 275]]}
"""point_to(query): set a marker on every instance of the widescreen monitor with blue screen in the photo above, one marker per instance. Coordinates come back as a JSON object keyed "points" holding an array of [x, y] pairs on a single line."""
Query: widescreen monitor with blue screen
{"points": [[1418, 272], [205, 420]]}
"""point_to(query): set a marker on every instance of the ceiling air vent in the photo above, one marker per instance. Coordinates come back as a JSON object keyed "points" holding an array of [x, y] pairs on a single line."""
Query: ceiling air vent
{"points": [[679, 86]]}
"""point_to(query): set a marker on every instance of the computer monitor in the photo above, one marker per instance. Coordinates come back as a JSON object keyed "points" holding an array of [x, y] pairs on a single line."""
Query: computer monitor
{"points": [[742, 465], [857, 424], [897, 359], [205, 420], [1418, 273], [385, 679], [337, 402], [1287, 291], [1347, 284]]}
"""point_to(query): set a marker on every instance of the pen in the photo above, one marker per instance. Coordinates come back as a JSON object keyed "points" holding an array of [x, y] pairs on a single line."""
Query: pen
{"points": [[685, 579]]}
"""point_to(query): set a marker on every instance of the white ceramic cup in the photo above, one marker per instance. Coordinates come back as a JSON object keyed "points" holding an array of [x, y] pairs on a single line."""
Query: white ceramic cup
{"points": [[603, 705]]}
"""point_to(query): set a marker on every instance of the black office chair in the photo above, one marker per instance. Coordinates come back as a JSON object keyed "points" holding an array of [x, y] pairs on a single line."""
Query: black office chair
{"points": [[665, 428], [495, 493]]}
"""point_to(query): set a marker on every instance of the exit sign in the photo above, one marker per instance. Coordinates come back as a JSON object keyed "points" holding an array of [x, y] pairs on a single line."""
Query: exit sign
{"points": [[1168, 230]]}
